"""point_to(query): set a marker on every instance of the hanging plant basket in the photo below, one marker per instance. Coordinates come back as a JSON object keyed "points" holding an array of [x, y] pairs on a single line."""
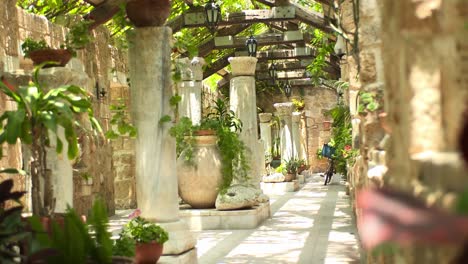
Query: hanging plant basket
{"points": [[148, 13], [60, 56]]}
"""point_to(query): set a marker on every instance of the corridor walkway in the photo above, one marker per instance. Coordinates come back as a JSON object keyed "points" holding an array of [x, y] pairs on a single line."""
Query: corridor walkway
{"points": [[311, 226]]}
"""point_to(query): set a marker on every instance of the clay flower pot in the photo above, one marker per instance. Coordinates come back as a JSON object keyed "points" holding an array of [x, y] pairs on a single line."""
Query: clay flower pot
{"points": [[148, 13], [289, 177], [148, 253], [327, 125], [59, 56]]}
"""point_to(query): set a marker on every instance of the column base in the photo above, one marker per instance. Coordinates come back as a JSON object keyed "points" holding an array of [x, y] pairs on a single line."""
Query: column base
{"points": [[180, 238], [188, 257]]}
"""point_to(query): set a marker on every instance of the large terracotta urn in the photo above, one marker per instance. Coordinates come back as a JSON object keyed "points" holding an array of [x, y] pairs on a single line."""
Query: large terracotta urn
{"points": [[148, 13], [200, 180]]}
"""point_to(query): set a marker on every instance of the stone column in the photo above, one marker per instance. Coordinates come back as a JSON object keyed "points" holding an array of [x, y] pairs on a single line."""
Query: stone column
{"points": [[190, 88], [296, 135], [284, 112], [156, 177], [265, 134], [243, 102]]}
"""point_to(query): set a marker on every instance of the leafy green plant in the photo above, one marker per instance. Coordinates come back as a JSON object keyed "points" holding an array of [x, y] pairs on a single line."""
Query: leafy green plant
{"points": [[12, 229], [323, 50], [121, 125], [29, 45], [124, 246], [298, 104], [73, 242], [291, 165], [341, 137], [225, 125], [368, 102], [142, 231], [41, 114]]}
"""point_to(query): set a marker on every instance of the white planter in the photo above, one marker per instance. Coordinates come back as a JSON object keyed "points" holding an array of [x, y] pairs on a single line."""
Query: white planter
{"points": [[243, 66], [199, 184]]}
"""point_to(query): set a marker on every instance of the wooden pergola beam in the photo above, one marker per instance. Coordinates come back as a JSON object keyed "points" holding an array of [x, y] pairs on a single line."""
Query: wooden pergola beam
{"points": [[217, 65], [288, 37]]}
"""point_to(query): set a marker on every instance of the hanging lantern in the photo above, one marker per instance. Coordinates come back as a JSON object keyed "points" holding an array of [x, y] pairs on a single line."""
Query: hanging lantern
{"points": [[287, 90], [251, 45], [212, 15], [272, 71]]}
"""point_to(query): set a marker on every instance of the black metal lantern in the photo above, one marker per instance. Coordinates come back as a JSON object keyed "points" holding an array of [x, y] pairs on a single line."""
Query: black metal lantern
{"points": [[212, 15], [251, 44], [272, 71], [287, 89]]}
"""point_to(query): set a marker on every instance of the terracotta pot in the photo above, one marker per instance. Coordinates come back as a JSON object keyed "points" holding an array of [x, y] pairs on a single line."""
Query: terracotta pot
{"points": [[200, 179], [148, 253], [148, 13], [204, 132], [59, 56], [289, 177], [327, 125]]}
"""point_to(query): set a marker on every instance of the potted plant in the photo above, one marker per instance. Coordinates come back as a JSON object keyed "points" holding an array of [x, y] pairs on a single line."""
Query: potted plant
{"points": [[301, 166], [149, 239], [148, 13], [299, 105], [37, 118], [39, 51], [210, 155], [290, 167]]}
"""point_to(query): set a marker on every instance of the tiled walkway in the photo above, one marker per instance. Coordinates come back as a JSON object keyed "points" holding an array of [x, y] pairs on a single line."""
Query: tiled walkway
{"points": [[313, 225]]}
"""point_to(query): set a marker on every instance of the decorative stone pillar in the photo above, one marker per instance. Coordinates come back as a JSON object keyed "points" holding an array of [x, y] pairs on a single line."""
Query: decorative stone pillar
{"points": [[284, 112], [190, 88], [243, 102], [156, 177], [265, 134], [296, 135]]}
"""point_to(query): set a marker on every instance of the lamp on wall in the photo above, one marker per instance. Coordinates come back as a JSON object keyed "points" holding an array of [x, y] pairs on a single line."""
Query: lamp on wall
{"points": [[251, 45], [100, 93], [212, 15], [272, 70], [288, 89]]}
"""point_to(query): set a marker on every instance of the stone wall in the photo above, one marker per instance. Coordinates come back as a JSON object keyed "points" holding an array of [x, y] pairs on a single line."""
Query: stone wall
{"points": [[416, 53], [102, 64], [318, 100]]}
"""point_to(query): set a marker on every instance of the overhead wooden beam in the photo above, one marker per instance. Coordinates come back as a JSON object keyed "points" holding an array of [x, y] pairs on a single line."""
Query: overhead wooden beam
{"points": [[205, 48], [217, 65], [104, 12], [287, 37]]}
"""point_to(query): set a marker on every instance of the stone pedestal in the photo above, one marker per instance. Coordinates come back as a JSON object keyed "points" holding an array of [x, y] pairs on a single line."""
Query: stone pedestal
{"points": [[243, 102], [265, 134], [284, 112], [190, 88], [296, 135], [156, 177]]}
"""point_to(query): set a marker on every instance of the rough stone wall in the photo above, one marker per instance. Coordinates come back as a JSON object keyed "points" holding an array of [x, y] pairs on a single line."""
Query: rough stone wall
{"points": [[416, 52], [102, 63], [318, 100]]}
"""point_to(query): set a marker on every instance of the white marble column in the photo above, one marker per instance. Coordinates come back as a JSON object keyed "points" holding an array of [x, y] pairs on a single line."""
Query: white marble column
{"points": [[296, 135], [190, 88], [243, 102], [265, 134], [156, 177], [284, 112]]}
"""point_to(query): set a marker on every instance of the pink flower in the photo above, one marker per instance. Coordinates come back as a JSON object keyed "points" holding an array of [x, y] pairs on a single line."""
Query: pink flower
{"points": [[347, 148], [135, 213]]}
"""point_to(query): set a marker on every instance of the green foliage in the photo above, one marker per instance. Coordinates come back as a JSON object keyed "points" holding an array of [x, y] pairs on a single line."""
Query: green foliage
{"points": [[226, 125], [323, 50], [39, 110], [281, 168], [368, 102], [124, 246], [291, 165], [298, 104], [461, 205], [55, 9], [73, 242], [142, 231], [121, 125], [29, 45], [12, 229], [341, 137]]}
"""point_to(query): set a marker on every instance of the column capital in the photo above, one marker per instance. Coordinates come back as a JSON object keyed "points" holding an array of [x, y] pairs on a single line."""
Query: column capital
{"points": [[296, 117], [265, 117], [191, 70], [243, 66], [284, 109]]}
